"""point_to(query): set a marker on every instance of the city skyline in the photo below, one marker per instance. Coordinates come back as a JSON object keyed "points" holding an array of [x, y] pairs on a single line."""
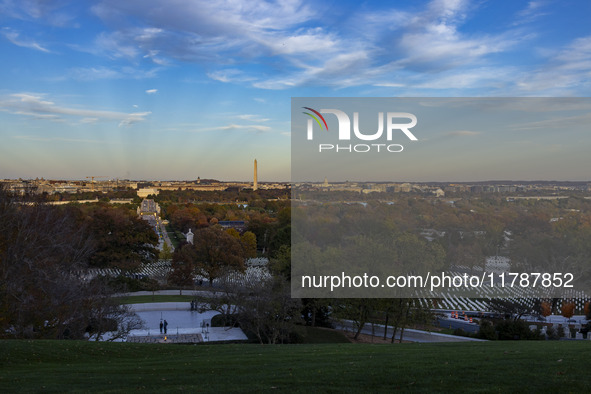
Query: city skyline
{"points": [[150, 90]]}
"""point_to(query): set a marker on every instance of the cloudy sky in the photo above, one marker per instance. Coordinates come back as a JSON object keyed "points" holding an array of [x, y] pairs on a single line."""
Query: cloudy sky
{"points": [[176, 89]]}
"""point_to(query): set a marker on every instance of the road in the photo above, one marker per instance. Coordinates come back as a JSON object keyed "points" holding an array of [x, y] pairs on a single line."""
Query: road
{"points": [[164, 234], [409, 334]]}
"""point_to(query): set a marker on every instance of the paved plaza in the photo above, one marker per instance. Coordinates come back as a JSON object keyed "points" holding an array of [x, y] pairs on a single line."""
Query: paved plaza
{"points": [[184, 325]]}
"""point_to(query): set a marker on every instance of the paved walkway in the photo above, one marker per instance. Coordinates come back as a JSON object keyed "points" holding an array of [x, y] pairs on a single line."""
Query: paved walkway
{"points": [[182, 323], [181, 338]]}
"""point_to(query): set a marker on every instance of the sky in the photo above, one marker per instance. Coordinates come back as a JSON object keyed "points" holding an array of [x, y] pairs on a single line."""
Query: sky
{"points": [[180, 89]]}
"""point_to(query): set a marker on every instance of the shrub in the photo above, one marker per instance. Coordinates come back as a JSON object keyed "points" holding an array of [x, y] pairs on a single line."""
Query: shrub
{"points": [[487, 330], [516, 330]]}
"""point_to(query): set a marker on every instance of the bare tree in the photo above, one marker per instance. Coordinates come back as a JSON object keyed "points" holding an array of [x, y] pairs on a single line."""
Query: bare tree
{"points": [[45, 291], [262, 307]]}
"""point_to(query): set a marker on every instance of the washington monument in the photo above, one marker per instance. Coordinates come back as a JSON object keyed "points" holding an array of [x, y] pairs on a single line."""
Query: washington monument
{"points": [[255, 183]]}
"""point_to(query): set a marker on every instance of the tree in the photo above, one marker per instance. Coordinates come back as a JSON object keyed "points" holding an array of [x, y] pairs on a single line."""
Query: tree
{"points": [[567, 309], [281, 263], [545, 309], [121, 239], [46, 290], [213, 253], [512, 308], [269, 312], [263, 308], [249, 243], [182, 273], [358, 310], [166, 252]]}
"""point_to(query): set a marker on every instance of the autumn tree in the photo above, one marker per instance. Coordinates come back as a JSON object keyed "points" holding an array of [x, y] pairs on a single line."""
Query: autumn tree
{"points": [[567, 309], [545, 308], [46, 290], [249, 243], [121, 239], [183, 266], [213, 253], [166, 252]]}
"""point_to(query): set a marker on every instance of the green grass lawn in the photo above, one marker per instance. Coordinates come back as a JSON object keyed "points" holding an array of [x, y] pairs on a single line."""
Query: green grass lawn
{"points": [[74, 366], [322, 335]]}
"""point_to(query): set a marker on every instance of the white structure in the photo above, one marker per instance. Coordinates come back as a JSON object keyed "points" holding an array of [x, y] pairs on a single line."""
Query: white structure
{"points": [[497, 264], [146, 191], [255, 184], [189, 236]]}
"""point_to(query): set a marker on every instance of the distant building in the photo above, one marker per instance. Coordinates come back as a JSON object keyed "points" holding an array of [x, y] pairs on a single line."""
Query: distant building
{"points": [[239, 225], [121, 201], [146, 191]]}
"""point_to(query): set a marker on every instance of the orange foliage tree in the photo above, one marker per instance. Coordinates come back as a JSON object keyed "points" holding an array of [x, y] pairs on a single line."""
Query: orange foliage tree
{"points": [[567, 309]]}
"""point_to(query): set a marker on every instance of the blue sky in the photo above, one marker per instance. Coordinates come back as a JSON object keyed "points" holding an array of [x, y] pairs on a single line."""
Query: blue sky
{"points": [[176, 89]]}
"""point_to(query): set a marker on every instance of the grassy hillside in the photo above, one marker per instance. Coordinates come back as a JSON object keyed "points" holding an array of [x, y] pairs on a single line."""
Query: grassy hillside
{"points": [[58, 366]]}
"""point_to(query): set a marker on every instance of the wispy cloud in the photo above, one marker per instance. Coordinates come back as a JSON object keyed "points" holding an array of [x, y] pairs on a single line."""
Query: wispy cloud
{"points": [[252, 118], [35, 105], [533, 11], [287, 44], [259, 128], [15, 38], [565, 71], [152, 91], [47, 12], [101, 72], [578, 122], [230, 75], [462, 133], [58, 139], [232, 126]]}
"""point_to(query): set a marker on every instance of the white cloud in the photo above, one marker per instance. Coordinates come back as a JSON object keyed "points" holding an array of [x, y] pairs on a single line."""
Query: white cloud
{"points": [[288, 43], [462, 133], [100, 72], [232, 126], [389, 85], [252, 118], [34, 105], [47, 12], [229, 75], [530, 13], [58, 139], [565, 71], [152, 91], [244, 127], [14, 37], [89, 120]]}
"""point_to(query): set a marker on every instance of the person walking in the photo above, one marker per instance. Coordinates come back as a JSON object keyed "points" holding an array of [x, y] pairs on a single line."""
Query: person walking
{"points": [[161, 325], [165, 326]]}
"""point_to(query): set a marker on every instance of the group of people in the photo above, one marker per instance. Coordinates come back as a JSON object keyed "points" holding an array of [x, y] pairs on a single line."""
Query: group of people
{"points": [[163, 326]]}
